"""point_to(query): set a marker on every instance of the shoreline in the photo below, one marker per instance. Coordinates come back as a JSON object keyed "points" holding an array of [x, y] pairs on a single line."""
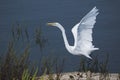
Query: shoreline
{"points": [[80, 76]]}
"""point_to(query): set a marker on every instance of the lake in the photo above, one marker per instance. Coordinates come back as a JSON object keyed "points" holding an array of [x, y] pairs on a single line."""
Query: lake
{"points": [[36, 13]]}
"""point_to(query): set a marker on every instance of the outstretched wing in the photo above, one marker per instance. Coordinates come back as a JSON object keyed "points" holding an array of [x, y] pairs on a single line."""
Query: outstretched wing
{"points": [[82, 32]]}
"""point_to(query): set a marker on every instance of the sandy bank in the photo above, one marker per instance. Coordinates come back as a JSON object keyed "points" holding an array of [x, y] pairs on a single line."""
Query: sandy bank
{"points": [[81, 76]]}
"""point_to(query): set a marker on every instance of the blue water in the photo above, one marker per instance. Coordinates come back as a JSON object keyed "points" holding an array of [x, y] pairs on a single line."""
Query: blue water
{"points": [[37, 13]]}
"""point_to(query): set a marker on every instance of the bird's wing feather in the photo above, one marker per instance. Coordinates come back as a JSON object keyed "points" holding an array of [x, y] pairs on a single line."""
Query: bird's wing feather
{"points": [[82, 31]]}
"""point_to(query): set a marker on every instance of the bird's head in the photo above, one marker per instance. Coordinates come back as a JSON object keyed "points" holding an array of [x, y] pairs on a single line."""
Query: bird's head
{"points": [[56, 24], [53, 24]]}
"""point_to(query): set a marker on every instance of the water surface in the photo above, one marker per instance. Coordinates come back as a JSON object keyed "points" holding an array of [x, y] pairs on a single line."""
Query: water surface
{"points": [[36, 13]]}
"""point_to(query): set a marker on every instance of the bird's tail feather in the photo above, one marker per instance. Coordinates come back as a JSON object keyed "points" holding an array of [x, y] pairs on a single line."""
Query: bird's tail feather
{"points": [[95, 49], [88, 56]]}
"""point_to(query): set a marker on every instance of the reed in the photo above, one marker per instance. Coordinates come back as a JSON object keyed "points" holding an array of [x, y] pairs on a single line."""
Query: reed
{"points": [[15, 63]]}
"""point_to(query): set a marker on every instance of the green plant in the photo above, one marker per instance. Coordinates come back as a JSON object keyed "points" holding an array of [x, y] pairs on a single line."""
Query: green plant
{"points": [[15, 64], [12, 65], [104, 68], [27, 75], [82, 66], [47, 65], [42, 77], [59, 68], [94, 65], [35, 74], [51, 66], [103, 65]]}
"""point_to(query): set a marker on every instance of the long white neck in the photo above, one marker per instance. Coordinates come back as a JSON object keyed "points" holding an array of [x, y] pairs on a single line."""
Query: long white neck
{"points": [[64, 37]]}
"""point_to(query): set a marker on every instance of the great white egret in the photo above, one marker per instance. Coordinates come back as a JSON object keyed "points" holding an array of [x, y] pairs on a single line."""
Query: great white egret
{"points": [[82, 33]]}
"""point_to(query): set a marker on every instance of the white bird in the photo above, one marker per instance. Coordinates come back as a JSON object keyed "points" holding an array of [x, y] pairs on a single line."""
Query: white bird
{"points": [[82, 33]]}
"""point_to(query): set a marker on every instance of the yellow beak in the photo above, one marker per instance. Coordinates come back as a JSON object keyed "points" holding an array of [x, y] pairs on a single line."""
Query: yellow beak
{"points": [[49, 24]]}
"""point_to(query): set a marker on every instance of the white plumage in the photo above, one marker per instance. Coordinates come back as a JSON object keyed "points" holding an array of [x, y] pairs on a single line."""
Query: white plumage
{"points": [[82, 33]]}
